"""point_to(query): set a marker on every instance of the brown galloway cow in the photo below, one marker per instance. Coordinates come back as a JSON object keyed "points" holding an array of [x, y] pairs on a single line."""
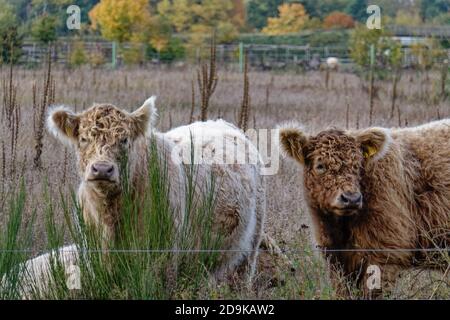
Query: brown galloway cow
{"points": [[373, 189]]}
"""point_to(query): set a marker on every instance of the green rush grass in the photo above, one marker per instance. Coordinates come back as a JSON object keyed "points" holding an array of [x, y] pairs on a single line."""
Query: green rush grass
{"points": [[142, 261]]}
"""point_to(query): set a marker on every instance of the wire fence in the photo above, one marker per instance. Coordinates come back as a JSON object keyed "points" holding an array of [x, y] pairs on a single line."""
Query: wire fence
{"points": [[447, 250], [260, 56]]}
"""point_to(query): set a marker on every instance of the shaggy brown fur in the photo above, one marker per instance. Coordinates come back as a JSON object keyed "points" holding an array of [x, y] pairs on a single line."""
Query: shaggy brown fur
{"points": [[403, 176]]}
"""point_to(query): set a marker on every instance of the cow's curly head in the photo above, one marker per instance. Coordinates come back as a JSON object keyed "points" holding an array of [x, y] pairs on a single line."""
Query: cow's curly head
{"points": [[103, 137], [334, 163]]}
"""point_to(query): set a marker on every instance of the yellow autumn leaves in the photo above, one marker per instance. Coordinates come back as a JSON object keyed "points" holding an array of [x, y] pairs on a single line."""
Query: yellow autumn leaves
{"points": [[121, 20], [132, 21], [292, 17]]}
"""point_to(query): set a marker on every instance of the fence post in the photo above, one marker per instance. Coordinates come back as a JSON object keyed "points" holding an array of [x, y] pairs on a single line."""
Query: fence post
{"points": [[114, 55], [372, 55], [241, 57], [371, 84]]}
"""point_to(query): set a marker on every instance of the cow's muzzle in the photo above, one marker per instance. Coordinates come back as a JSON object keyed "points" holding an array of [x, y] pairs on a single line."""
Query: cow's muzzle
{"points": [[102, 171], [347, 203]]}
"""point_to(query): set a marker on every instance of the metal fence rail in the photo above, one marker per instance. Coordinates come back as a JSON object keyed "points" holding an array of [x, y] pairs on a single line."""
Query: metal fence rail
{"points": [[441, 32], [263, 57]]}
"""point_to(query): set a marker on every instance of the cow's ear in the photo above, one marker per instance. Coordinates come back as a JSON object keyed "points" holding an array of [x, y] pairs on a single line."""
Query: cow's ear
{"points": [[145, 116], [63, 124], [293, 141], [374, 142]]}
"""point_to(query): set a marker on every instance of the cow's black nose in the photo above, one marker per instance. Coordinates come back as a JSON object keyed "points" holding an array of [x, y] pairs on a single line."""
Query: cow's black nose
{"points": [[102, 171], [351, 199]]}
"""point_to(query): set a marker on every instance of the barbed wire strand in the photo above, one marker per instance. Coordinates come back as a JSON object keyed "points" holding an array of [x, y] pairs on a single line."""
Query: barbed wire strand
{"points": [[223, 250]]}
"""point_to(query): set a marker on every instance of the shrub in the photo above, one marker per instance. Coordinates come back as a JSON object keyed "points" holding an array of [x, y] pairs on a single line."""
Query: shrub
{"points": [[78, 55], [96, 57], [134, 54], [338, 19], [174, 50]]}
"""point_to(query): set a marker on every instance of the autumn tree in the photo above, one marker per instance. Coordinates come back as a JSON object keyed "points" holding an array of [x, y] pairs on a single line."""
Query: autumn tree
{"points": [[179, 13], [338, 19], [201, 18], [121, 20], [292, 18], [238, 13], [159, 33], [211, 12]]}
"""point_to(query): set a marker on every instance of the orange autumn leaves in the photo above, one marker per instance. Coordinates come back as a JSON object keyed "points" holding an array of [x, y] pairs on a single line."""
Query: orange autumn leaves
{"points": [[292, 18]]}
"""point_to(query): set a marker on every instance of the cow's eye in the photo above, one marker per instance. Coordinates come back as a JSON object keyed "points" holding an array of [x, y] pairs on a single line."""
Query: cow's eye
{"points": [[320, 168], [83, 141]]}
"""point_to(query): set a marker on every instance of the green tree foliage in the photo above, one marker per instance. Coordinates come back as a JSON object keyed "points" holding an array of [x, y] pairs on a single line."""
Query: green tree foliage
{"points": [[258, 11], [358, 10], [78, 55], [28, 10], [44, 27], [322, 8], [387, 51], [10, 39], [433, 8], [8, 18], [442, 19], [85, 7], [21, 8], [50, 14]]}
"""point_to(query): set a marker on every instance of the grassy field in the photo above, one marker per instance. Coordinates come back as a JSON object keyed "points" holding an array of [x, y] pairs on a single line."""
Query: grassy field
{"points": [[275, 98]]}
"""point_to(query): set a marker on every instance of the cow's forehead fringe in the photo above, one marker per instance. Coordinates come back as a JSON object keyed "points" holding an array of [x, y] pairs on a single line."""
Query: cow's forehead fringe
{"points": [[105, 118], [332, 137], [333, 143]]}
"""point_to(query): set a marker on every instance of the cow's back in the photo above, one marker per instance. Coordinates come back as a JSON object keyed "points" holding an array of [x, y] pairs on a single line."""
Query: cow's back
{"points": [[223, 152], [426, 153]]}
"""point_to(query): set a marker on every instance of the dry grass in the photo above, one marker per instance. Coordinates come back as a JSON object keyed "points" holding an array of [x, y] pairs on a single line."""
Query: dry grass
{"points": [[275, 98]]}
